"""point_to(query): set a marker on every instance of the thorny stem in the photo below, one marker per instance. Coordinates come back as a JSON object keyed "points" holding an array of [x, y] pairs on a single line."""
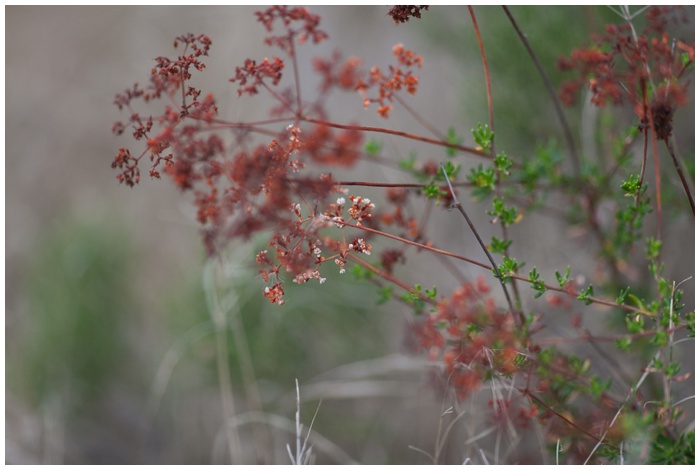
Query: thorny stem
{"points": [[517, 316], [568, 136]]}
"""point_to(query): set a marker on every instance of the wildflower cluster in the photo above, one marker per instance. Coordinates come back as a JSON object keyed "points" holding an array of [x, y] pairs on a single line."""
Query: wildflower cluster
{"points": [[473, 338], [647, 70], [276, 176], [402, 13], [399, 76]]}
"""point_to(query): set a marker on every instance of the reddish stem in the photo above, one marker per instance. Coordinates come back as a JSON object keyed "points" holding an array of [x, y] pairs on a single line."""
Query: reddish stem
{"points": [[382, 130]]}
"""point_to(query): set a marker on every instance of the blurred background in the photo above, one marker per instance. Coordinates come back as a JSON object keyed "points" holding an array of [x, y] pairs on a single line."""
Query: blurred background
{"points": [[111, 309]]}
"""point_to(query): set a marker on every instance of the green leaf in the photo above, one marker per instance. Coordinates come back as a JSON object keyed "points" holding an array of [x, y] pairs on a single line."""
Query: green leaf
{"points": [[690, 320], [634, 324], [563, 280], [537, 283], [499, 246], [660, 339], [586, 295], [483, 136], [385, 294], [598, 386], [653, 248], [373, 148], [507, 215], [433, 191], [503, 164], [620, 300], [631, 186], [672, 369], [624, 343]]}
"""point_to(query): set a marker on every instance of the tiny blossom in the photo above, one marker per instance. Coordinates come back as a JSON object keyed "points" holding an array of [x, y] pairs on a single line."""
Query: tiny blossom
{"points": [[274, 294], [360, 245], [341, 263], [340, 201], [360, 208]]}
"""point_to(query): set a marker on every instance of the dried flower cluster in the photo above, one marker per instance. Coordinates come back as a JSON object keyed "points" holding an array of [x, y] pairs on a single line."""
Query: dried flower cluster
{"points": [[275, 177], [403, 13], [645, 70], [473, 338], [240, 190]]}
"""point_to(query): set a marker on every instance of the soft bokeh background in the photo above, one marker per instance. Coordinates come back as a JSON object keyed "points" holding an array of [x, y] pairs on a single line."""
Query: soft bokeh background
{"points": [[110, 326]]}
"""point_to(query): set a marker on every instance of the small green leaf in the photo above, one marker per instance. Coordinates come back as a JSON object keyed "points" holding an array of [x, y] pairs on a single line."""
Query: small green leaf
{"points": [[563, 280], [624, 343], [634, 324], [499, 246], [586, 295], [503, 164], [385, 294], [672, 369], [598, 386], [660, 339], [483, 136], [653, 248], [620, 300], [631, 186], [690, 321], [373, 148], [433, 191]]}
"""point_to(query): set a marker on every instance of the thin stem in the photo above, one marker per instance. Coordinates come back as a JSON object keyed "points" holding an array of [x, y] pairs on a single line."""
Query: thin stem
{"points": [[587, 337], [669, 146], [279, 98], [518, 317], [569, 292], [489, 98], [630, 392], [424, 122], [564, 418], [382, 130], [657, 175], [226, 391], [295, 66], [568, 136], [392, 279]]}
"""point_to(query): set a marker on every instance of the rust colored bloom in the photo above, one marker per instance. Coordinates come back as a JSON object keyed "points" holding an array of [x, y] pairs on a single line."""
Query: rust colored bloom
{"points": [[398, 78], [402, 13], [643, 70]]}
